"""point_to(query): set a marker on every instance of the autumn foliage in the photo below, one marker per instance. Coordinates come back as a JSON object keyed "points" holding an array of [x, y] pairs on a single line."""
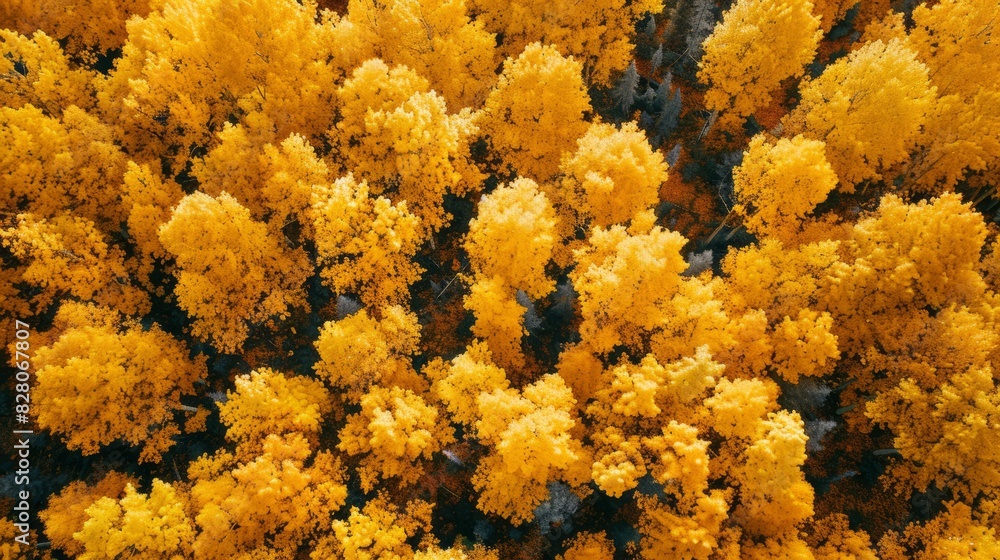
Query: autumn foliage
{"points": [[479, 280]]}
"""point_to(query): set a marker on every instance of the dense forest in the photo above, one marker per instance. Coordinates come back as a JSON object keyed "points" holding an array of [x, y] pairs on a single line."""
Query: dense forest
{"points": [[500, 280]]}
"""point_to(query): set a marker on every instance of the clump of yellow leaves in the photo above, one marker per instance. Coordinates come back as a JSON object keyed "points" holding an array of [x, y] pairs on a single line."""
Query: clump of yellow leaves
{"points": [[360, 351], [535, 111], [867, 107], [82, 375], [612, 176], [145, 525], [780, 183], [231, 272], [266, 402], [397, 432], [757, 45], [283, 496], [365, 244], [529, 433]]}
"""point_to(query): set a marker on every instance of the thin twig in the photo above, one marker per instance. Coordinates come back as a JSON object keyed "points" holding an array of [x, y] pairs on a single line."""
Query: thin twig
{"points": [[718, 229], [679, 58], [450, 282]]}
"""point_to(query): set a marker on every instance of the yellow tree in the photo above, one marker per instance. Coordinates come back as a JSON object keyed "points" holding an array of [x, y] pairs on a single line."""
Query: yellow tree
{"points": [[103, 380], [929, 351], [598, 35], [147, 199], [901, 262], [436, 38], [643, 420], [612, 176], [378, 531], [775, 295], [361, 351], [397, 432], [908, 300], [88, 29], [458, 383], [266, 402], [781, 323], [536, 111], [946, 434], [758, 45], [499, 318], [867, 107], [692, 317], [953, 533], [68, 256], [372, 86], [364, 244], [622, 280], [231, 273], [509, 244], [665, 410], [774, 495], [778, 280], [962, 134], [190, 65], [513, 237], [529, 434], [778, 185], [274, 181], [757, 463], [66, 512], [396, 134], [64, 162], [154, 525], [37, 72], [280, 498], [643, 396], [690, 528], [656, 419]]}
